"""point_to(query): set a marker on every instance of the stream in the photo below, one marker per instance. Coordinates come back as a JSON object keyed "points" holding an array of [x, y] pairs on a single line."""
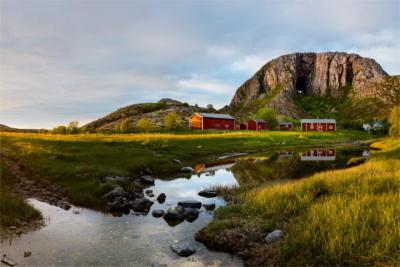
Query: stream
{"points": [[84, 237]]}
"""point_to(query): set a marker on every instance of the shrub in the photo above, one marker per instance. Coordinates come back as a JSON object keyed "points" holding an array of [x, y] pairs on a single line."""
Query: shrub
{"points": [[394, 120], [73, 127], [144, 125], [59, 130], [269, 116], [172, 121]]}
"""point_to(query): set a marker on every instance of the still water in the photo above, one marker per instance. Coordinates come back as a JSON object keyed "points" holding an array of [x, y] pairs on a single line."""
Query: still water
{"points": [[85, 237]]}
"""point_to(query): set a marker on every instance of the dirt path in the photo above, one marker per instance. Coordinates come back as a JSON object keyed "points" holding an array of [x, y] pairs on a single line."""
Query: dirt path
{"points": [[27, 184]]}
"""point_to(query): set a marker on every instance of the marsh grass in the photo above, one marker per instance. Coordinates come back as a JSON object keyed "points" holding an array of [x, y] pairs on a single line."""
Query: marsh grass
{"points": [[345, 217]]}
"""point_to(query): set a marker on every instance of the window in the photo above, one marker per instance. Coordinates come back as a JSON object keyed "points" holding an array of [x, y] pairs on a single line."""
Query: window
{"points": [[311, 126], [330, 127]]}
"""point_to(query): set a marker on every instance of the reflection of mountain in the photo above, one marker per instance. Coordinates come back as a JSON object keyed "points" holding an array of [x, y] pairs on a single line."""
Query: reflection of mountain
{"points": [[288, 165]]}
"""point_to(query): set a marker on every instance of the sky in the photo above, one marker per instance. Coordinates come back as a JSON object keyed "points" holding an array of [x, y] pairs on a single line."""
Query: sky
{"points": [[80, 60]]}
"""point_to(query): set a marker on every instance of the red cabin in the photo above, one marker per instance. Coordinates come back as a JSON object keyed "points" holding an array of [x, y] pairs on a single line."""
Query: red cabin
{"points": [[285, 126], [243, 126], [256, 125], [207, 121], [320, 125]]}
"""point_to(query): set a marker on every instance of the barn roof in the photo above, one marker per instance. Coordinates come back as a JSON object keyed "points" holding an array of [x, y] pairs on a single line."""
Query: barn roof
{"points": [[258, 120], [318, 121], [216, 116]]}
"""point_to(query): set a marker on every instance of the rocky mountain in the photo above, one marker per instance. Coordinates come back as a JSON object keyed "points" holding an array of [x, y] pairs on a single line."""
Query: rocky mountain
{"points": [[280, 83], [155, 112]]}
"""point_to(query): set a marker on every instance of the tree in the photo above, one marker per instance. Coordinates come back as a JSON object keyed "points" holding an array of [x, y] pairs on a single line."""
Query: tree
{"points": [[394, 120], [172, 121], [123, 126], [144, 125], [269, 116], [59, 130], [210, 107], [73, 127]]}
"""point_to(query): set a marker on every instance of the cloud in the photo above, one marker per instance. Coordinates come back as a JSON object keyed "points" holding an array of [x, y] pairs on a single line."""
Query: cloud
{"points": [[205, 85]]}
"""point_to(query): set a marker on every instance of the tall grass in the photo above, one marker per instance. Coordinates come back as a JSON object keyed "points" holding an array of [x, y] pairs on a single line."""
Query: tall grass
{"points": [[345, 217]]}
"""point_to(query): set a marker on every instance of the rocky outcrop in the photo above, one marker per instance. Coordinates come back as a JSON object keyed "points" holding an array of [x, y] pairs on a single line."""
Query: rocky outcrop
{"points": [[280, 81]]}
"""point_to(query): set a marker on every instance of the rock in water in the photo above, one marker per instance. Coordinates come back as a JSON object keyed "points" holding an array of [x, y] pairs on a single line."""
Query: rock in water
{"points": [[116, 192], [183, 249], [175, 215], [209, 207], [157, 213], [141, 204], [161, 198], [191, 214], [190, 204], [177, 161], [274, 236], [149, 193], [27, 254], [187, 169], [147, 180], [208, 193], [119, 205]]}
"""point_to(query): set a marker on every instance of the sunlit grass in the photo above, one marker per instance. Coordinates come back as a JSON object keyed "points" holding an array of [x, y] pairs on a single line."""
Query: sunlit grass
{"points": [[346, 217]]}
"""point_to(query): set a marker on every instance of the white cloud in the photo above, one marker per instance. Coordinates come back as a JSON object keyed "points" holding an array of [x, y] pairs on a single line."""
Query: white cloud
{"points": [[205, 84]]}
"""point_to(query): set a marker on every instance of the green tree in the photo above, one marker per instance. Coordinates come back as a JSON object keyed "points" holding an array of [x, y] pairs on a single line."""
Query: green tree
{"points": [[73, 127], [269, 116], [144, 125], [172, 121], [59, 130], [123, 126], [394, 120]]}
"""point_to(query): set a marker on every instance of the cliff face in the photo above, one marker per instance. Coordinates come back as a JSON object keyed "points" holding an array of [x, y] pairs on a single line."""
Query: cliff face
{"points": [[280, 81]]}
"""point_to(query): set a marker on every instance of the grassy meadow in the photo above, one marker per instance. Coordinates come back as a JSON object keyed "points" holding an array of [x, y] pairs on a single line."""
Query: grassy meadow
{"points": [[340, 217], [76, 162]]}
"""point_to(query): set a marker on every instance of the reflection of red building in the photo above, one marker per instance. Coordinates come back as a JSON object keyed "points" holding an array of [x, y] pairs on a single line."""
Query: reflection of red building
{"points": [[319, 154], [206, 121], [208, 167], [256, 125], [319, 125]]}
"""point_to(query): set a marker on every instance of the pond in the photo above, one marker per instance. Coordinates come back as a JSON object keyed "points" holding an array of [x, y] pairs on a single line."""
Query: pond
{"points": [[81, 236]]}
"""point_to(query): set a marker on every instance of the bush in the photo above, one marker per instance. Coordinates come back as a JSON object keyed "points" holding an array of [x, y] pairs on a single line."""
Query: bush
{"points": [[394, 120], [73, 127], [269, 116], [172, 121], [144, 125], [59, 130]]}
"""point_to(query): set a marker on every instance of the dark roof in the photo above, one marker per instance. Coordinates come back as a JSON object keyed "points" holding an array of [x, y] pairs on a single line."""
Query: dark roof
{"points": [[258, 120], [216, 116]]}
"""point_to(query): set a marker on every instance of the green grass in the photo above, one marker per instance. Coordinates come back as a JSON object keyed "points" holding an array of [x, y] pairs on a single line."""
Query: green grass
{"points": [[76, 162], [13, 209], [341, 217]]}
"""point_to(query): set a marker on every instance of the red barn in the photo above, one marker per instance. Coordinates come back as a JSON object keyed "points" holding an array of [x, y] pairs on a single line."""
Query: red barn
{"points": [[285, 126], [320, 125], [206, 121], [256, 125], [243, 126]]}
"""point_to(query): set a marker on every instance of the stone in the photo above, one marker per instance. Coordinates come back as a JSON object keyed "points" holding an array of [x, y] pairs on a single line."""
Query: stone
{"points": [[183, 249], [209, 207], [147, 172], [147, 179], [27, 254], [116, 192], [191, 214], [141, 204], [187, 169], [190, 204], [65, 205], [274, 236], [112, 178], [76, 211], [208, 193], [157, 213], [174, 215], [161, 198], [120, 205], [177, 161]]}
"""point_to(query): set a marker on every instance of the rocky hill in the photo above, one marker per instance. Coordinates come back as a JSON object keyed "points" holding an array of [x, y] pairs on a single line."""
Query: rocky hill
{"points": [[155, 112], [283, 82]]}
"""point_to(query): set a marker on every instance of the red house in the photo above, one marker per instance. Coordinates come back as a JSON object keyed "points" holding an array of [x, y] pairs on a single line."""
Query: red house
{"points": [[320, 125], [206, 121], [256, 125], [285, 126]]}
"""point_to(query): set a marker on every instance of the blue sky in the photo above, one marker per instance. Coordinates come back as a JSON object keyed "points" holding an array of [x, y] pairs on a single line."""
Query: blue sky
{"points": [[79, 60]]}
